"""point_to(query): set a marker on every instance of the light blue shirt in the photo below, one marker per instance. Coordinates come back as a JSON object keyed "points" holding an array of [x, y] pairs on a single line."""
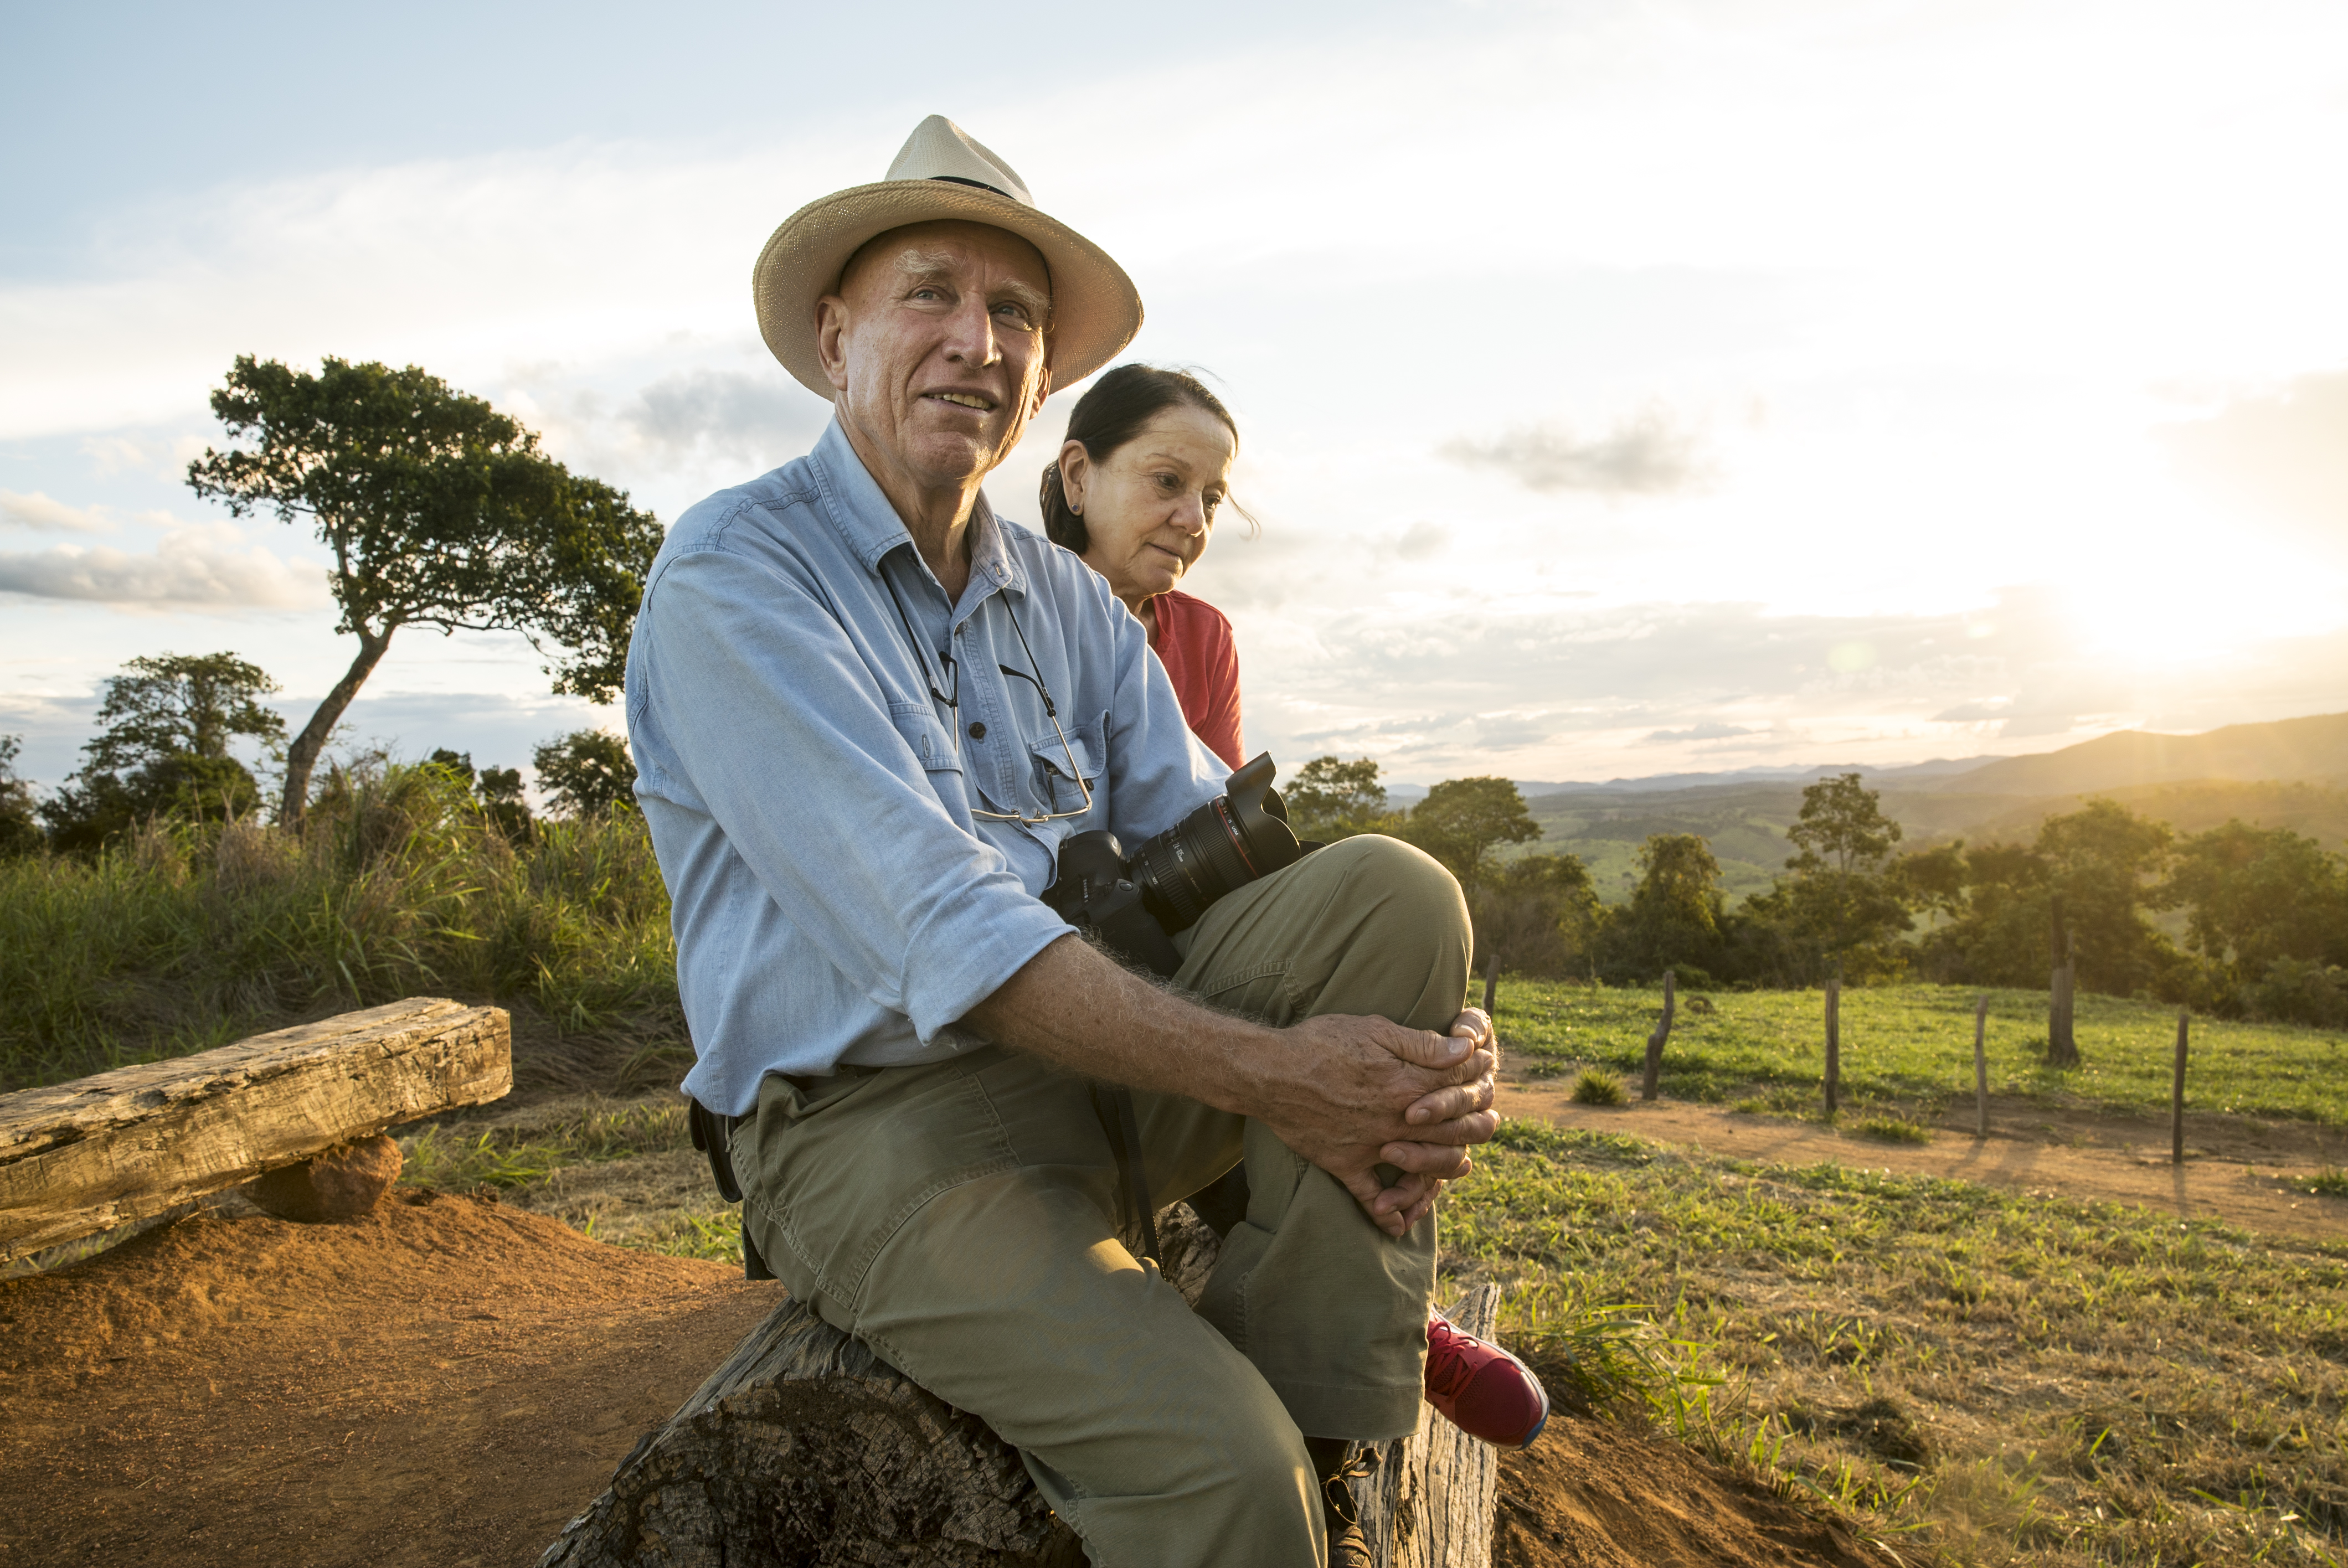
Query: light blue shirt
{"points": [[833, 897]]}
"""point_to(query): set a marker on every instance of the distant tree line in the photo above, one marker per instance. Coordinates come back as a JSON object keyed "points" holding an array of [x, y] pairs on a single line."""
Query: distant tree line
{"points": [[162, 754], [2265, 927]]}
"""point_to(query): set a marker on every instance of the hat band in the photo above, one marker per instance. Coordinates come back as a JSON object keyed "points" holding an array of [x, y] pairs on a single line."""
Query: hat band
{"points": [[980, 184]]}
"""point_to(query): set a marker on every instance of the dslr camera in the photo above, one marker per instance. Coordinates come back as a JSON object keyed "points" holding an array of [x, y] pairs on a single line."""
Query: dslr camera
{"points": [[1135, 903]]}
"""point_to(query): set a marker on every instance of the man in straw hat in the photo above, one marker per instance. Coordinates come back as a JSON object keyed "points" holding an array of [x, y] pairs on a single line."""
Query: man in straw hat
{"points": [[865, 712]]}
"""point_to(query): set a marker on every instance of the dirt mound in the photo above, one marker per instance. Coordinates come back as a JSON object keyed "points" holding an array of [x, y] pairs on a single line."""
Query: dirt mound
{"points": [[1592, 1495], [446, 1382]]}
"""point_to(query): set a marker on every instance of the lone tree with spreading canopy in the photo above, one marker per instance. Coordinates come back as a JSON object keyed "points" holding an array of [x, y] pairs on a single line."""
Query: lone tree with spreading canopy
{"points": [[438, 511]]}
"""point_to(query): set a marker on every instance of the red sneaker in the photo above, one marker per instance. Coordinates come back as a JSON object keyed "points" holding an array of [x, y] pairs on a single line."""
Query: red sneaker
{"points": [[1482, 1390]]}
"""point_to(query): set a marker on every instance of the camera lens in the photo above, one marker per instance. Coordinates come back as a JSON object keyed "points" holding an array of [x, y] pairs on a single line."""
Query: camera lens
{"points": [[1238, 836]]}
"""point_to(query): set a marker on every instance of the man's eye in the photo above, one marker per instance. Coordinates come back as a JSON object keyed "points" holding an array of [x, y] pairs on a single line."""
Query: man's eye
{"points": [[1016, 314], [927, 294]]}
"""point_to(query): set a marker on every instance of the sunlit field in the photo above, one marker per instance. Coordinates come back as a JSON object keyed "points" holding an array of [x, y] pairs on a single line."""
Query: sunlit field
{"points": [[1981, 1377], [1910, 1047]]}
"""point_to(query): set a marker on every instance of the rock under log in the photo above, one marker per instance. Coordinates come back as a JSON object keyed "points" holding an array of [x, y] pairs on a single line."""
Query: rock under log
{"points": [[806, 1449], [339, 1184], [82, 1157]]}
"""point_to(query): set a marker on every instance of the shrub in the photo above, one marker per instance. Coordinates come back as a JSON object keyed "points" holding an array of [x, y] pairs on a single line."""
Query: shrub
{"points": [[1597, 1087], [2302, 990]]}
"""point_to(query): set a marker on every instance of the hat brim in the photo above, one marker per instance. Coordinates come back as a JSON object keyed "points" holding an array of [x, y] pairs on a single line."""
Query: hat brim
{"points": [[1096, 309]]}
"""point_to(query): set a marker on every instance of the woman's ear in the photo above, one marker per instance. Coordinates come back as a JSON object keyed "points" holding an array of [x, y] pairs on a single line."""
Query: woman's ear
{"points": [[1076, 467]]}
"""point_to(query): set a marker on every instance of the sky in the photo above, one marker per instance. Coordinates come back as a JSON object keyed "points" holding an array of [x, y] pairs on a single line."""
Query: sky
{"points": [[1623, 388]]}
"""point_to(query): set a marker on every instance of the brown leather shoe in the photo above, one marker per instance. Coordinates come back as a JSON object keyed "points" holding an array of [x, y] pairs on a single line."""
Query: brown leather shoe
{"points": [[1337, 1462]]}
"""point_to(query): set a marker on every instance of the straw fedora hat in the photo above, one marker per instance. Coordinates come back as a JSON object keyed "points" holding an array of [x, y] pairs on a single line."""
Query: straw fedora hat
{"points": [[941, 173]]}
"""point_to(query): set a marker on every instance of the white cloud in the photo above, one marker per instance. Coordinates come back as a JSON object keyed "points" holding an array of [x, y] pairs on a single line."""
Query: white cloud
{"points": [[190, 568], [1423, 541], [38, 511], [1711, 730], [1645, 453], [159, 458]]}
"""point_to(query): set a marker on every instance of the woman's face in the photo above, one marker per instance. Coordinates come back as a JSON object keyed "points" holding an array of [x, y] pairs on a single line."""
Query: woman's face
{"points": [[1148, 509]]}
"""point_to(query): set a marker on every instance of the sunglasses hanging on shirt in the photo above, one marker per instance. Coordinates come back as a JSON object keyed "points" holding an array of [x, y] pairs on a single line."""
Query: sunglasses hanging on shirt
{"points": [[952, 701]]}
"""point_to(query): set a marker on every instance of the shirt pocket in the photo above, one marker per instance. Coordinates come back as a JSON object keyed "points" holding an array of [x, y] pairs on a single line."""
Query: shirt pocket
{"points": [[1056, 789], [1061, 789], [933, 746]]}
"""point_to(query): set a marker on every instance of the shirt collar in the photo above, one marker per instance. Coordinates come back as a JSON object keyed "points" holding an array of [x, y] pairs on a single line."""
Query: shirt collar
{"points": [[871, 528]]}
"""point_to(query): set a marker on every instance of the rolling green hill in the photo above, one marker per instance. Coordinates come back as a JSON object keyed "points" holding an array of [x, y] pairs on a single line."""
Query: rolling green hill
{"points": [[2314, 749], [2288, 774]]}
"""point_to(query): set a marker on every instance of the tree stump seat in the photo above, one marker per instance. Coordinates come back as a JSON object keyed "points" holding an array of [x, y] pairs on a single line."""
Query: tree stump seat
{"points": [[805, 1447]]}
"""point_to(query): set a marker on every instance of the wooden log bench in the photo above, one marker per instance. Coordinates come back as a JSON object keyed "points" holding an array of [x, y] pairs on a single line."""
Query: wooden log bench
{"points": [[806, 1449], [99, 1153]]}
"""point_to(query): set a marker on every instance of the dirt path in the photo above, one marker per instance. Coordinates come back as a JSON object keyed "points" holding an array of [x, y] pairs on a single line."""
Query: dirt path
{"points": [[2236, 1169]]}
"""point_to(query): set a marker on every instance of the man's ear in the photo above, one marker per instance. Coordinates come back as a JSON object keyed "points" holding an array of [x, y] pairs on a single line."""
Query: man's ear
{"points": [[830, 327], [1042, 390]]}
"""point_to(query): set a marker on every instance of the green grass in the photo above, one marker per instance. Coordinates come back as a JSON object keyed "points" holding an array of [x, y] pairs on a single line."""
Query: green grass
{"points": [[1911, 1046], [546, 1158], [181, 938], [451, 1156], [1891, 1130], [1983, 1377]]}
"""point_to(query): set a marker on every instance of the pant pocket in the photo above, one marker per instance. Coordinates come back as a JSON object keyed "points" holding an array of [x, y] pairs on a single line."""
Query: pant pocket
{"points": [[836, 1183]]}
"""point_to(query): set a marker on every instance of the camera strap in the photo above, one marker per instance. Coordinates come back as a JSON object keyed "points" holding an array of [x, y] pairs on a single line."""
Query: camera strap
{"points": [[1114, 1109]]}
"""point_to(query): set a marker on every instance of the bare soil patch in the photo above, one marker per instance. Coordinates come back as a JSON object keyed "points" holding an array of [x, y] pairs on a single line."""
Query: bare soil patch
{"points": [[1592, 1495], [446, 1382], [442, 1383], [2238, 1169]]}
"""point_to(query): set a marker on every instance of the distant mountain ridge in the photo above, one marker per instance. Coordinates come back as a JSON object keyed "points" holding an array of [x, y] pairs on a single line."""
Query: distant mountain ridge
{"points": [[2313, 749]]}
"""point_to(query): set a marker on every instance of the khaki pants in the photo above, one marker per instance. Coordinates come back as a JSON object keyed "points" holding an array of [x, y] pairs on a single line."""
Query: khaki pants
{"points": [[961, 1219]]}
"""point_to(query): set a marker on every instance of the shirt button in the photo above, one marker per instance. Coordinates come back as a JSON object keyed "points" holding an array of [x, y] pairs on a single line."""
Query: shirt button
{"points": [[978, 728]]}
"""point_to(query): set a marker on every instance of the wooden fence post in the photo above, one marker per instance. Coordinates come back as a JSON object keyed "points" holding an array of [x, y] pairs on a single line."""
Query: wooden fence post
{"points": [[1492, 982], [2177, 1095], [2062, 991], [1981, 1067], [1834, 1043], [1655, 1041]]}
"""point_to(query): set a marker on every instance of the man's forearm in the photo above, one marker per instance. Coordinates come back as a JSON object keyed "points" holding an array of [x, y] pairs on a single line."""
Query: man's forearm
{"points": [[1077, 1010], [1349, 1093]]}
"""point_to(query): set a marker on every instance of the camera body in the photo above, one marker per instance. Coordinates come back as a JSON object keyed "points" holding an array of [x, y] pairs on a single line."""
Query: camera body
{"points": [[1135, 903]]}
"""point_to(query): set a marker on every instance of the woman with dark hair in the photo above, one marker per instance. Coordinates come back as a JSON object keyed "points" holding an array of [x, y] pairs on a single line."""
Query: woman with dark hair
{"points": [[1146, 465]]}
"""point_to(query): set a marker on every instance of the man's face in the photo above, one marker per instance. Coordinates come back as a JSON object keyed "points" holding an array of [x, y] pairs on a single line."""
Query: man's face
{"points": [[936, 343]]}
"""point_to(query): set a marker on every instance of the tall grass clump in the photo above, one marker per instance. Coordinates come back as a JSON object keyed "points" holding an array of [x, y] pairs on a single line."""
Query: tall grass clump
{"points": [[180, 937]]}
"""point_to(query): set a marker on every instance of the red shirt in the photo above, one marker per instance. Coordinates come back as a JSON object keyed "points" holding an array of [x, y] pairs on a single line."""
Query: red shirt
{"points": [[1194, 644]]}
